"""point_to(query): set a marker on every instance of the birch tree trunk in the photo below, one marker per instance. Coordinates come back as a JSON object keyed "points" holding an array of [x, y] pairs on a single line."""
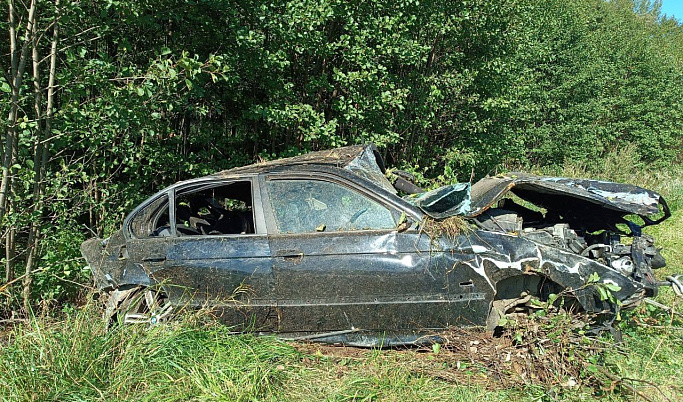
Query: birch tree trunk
{"points": [[18, 63], [43, 130]]}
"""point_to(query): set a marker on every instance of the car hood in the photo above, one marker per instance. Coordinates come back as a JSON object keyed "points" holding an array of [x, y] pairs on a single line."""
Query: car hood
{"points": [[594, 199], [577, 199]]}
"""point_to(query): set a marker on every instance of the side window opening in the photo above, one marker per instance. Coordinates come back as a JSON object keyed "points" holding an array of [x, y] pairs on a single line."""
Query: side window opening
{"points": [[216, 210], [152, 220], [309, 206]]}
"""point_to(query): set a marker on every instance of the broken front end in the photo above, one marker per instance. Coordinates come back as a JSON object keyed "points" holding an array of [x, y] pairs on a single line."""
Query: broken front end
{"points": [[587, 232]]}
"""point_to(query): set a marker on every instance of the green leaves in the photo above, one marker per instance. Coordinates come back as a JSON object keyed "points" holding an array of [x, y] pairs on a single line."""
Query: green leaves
{"points": [[4, 86], [604, 288], [612, 287], [436, 348], [602, 292], [593, 78], [593, 278]]}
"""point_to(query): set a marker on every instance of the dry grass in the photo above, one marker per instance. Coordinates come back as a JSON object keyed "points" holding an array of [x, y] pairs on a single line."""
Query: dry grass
{"points": [[448, 228], [538, 352]]}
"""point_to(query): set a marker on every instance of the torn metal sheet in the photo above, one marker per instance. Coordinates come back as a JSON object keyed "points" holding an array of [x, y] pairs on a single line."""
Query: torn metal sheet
{"points": [[444, 201], [583, 198], [322, 247], [365, 165]]}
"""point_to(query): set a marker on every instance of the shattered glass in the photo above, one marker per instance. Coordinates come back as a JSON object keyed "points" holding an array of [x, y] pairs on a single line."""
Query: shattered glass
{"points": [[444, 201], [309, 206]]}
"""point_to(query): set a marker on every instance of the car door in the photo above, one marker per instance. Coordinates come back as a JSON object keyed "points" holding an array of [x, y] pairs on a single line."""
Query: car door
{"points": [[214, 252], [340, 263]]}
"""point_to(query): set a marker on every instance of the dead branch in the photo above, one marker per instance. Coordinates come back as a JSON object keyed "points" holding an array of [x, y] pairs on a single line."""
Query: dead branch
{"points": [[621, 380], [663, 307]]}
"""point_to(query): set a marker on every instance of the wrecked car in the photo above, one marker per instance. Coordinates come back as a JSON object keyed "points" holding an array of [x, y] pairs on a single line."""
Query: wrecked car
{"points": [[324, 247]]}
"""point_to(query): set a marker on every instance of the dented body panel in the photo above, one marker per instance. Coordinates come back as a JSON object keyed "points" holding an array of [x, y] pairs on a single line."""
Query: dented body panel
{"points": [[585, 199], [322, 247], [374, 281]]}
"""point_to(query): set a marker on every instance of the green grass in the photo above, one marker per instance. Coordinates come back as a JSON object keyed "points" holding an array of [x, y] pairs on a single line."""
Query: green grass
{"points": [[76, 358], [654, 343]]}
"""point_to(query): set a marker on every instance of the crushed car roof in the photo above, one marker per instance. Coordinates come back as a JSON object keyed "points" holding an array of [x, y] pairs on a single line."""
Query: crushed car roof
{"points": [[338, 157], [363, 160], [591, 197]]}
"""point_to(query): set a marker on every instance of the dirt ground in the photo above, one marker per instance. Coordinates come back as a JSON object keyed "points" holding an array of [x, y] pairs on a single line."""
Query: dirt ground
{"points": [[530, 351]]}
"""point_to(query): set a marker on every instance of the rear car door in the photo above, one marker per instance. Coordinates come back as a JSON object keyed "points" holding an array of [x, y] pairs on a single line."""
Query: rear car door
{"points": [[212, 250]]}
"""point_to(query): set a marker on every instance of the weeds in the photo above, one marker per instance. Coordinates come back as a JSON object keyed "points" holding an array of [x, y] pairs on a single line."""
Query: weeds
{"points": [[542, 356]]}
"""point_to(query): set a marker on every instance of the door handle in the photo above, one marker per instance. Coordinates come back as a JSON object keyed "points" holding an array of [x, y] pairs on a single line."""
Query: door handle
{"points": [[290, 255], [156, 258]]}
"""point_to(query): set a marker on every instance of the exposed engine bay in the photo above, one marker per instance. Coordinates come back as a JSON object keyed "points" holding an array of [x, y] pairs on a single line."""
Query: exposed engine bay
{"points": [[623, 252], [598, 220]]}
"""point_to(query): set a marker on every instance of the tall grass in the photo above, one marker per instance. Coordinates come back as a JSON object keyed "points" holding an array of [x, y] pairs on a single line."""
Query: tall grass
{"points": [[76, 358]]}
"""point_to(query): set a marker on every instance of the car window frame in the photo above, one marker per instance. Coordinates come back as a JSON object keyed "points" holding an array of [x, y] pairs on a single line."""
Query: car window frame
{"points": [[271, 221], [260, 226], [128, 222]]}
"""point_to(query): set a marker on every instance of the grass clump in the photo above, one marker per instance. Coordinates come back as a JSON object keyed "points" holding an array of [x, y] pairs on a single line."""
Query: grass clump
{"points": [[651, 357], [448, 228], [77, 358]]}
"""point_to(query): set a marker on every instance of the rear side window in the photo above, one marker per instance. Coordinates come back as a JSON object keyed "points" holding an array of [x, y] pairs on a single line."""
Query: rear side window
{"points": [[309, 206], [152, 220]]}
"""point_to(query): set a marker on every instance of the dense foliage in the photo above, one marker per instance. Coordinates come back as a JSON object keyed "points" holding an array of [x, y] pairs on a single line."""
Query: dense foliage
{"points": [[109, 101]]}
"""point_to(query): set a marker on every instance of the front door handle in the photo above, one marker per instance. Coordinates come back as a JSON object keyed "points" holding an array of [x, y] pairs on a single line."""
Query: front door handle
{"points": [[156, 258], [290, 255]]}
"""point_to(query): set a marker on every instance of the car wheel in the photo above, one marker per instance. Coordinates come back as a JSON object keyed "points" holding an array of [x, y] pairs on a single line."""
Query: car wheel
{"points": [[139, 305]]}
